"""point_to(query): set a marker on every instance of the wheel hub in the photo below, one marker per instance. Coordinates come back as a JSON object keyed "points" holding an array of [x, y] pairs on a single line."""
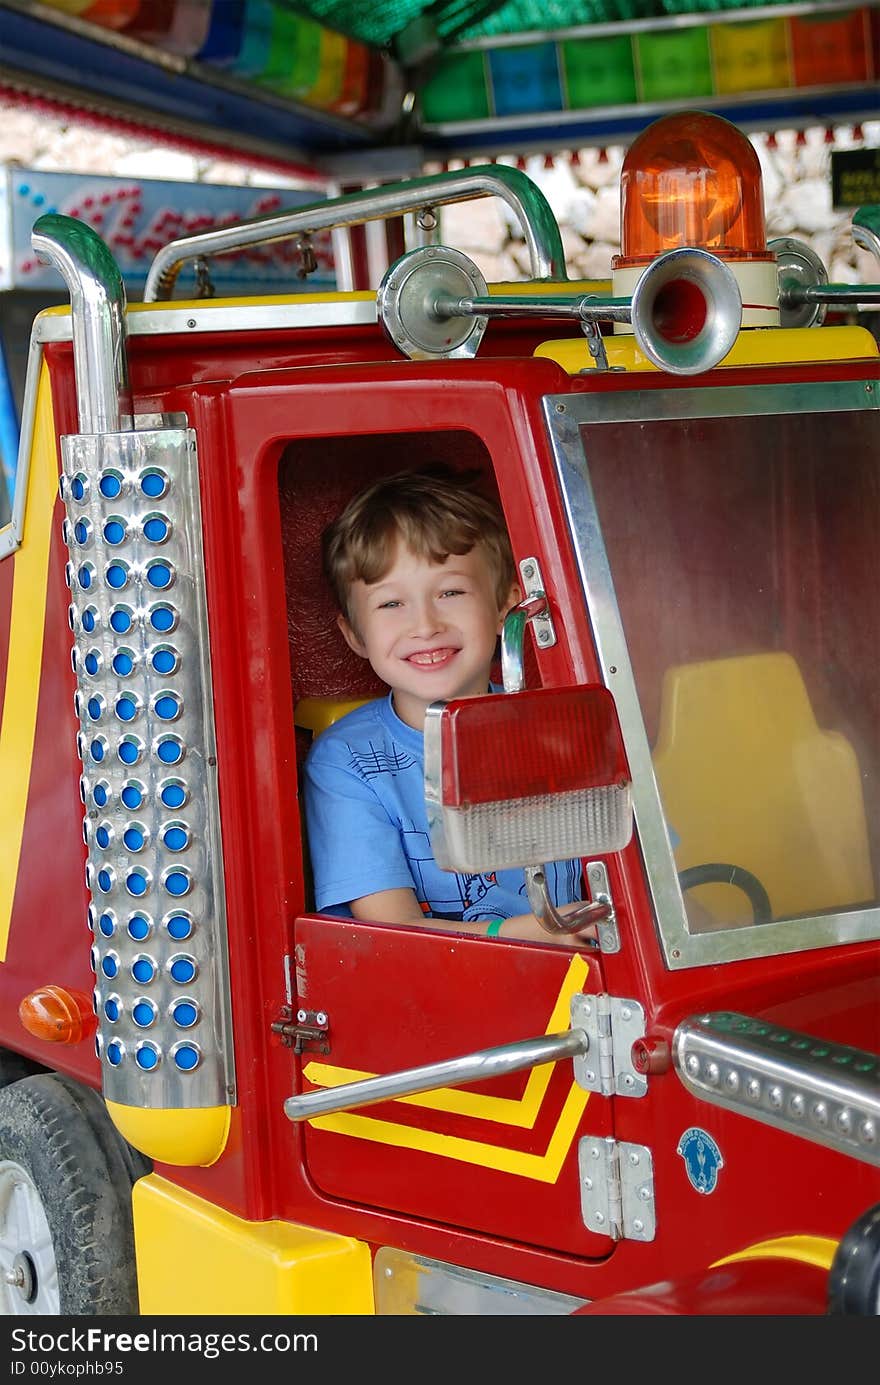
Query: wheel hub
{"points": [[28, 1272]]}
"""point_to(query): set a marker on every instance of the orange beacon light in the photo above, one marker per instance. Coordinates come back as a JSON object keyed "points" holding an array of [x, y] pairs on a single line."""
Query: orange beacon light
{"points": [[693, 179]]}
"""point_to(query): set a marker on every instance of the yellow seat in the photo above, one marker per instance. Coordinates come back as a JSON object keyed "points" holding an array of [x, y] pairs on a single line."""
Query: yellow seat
{"points": [[315, 714], [747, 777]]}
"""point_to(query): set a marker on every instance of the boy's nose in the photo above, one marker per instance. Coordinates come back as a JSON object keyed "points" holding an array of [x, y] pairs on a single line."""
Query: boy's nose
{"points": [[426, 618]]}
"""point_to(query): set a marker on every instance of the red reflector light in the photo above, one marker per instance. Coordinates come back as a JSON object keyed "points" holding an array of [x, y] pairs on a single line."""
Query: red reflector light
{"points": [[523, 778], [58, 1015], [528, 744]]}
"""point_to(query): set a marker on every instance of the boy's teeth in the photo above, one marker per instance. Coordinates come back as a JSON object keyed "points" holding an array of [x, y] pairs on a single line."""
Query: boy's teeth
{"points": [[430, 656]]}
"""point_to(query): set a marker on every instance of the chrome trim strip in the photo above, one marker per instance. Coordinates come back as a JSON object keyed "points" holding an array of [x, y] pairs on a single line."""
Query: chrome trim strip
{"points": [[822, 1091], [197, 317], [564, 416]]}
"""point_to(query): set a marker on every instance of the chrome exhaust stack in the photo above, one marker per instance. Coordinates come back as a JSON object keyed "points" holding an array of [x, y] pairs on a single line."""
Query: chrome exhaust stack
{"points": [[97, 301]]}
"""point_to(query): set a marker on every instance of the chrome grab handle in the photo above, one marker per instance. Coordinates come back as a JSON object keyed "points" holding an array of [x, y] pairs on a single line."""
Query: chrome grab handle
{"points": [[513, 674], [545, 911], [473, 1067], [525, 199]]}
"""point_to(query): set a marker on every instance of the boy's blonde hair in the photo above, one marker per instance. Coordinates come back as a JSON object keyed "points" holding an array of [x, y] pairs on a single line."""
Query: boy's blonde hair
{"points": [[435, 511]]}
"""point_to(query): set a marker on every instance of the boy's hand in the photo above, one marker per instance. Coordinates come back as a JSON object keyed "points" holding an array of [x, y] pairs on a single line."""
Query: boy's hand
{"points": [[527, 928]]}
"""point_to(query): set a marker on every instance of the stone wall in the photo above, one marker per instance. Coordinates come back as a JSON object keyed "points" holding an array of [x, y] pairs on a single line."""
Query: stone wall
{"points": [[584, 194]]}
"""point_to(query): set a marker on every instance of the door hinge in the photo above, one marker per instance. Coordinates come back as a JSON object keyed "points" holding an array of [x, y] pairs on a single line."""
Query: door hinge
{"points": [[612, 1027], [617, 1188]]}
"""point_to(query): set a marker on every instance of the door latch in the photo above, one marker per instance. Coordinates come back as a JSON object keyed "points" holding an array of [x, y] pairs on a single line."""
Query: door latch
{"points": [[307, 1031]]}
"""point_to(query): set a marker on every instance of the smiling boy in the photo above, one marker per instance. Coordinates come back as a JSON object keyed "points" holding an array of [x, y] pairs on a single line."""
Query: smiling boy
{"points": [[423, 571]]}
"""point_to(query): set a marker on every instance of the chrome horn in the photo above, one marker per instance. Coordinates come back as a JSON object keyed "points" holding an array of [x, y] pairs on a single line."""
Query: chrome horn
{"points": [[685, 312], [805, 294]]}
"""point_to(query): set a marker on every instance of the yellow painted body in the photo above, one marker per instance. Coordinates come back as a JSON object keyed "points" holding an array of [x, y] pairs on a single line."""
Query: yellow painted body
{"points": [[192, 1138], [194, 1258], [19, 715], [758, 346]]}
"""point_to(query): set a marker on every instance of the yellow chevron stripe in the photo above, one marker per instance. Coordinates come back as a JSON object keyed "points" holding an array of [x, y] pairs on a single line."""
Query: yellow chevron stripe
{"points": [[521, 1112], [25, 653], [541, 1168], [810, 1250]]}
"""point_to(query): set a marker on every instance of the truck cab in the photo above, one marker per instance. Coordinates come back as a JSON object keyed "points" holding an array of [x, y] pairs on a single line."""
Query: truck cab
{"points": [[288, 1112]]}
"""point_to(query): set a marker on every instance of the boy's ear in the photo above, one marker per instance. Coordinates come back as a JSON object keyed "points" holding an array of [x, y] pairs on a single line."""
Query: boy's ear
{"points": [[351, 637], [514, 597]]}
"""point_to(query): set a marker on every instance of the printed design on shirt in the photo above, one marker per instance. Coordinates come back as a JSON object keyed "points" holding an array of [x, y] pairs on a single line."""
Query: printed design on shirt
{"points": [[521, 1113], [470, 897], [467, 894], [382, 759]]}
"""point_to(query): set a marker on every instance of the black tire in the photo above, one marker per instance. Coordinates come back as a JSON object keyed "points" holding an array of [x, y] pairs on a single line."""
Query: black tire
{"points": [[61, 1156], [854, 1277]]}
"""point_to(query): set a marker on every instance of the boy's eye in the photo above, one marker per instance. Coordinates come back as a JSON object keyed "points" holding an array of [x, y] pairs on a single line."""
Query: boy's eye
{"points": [[453, 591], [389, 605]]}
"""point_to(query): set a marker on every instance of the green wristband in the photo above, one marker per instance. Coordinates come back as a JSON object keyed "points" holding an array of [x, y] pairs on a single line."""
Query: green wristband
{"points": [[494, 928]]}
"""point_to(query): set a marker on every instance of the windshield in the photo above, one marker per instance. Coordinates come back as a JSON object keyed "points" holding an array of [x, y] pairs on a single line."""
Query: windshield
{"points": [[731, 565]]}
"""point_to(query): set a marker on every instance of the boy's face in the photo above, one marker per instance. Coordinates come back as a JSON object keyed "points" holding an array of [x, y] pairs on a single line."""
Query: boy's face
{"points": [[429, 630]]}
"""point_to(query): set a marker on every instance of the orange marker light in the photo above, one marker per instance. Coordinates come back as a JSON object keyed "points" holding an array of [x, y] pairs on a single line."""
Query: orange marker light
{"points": [[691, 179], [57, 1015]]}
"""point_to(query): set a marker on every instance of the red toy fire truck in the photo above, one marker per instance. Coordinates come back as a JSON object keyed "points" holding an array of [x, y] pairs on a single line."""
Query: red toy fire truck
{"points": [[216, 1100]]}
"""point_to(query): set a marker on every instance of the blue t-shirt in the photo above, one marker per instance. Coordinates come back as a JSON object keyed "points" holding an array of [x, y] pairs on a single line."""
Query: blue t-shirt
{"points": [[368, 826]]}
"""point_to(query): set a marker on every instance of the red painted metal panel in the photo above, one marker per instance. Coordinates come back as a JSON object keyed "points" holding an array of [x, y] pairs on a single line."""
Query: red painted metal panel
{"points": [[400, 998]]}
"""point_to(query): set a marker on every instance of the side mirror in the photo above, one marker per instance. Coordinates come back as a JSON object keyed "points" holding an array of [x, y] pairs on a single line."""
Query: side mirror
{"points": [[521, 778]]}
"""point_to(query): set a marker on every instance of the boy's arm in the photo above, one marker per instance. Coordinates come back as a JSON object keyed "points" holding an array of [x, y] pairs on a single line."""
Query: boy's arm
{"points": [[401, 906]]}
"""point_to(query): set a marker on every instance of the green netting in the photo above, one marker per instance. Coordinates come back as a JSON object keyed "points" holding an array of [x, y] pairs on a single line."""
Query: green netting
{"points": [[378, 22]]}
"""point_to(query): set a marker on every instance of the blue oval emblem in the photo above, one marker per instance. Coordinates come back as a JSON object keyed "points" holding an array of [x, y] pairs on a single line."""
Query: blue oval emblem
{"points": [[702, 1159]]}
